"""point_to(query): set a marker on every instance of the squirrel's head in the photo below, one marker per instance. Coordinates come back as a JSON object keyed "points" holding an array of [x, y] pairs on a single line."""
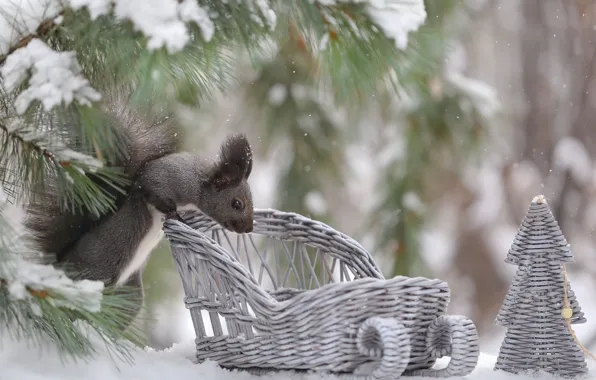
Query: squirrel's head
{"points": [[229, 200]]}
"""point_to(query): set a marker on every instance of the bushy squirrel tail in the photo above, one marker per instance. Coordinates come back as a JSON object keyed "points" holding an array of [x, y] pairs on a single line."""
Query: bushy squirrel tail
{"points": [[145, 134]]}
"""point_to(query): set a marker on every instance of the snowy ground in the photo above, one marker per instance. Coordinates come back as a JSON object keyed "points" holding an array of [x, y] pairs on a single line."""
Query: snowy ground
{"points": [[21, 361], [17, 361]]}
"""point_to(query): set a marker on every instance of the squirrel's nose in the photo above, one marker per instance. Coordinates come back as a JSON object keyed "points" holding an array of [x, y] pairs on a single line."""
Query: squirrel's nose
{"points": [[242, 226], [248, 228]]}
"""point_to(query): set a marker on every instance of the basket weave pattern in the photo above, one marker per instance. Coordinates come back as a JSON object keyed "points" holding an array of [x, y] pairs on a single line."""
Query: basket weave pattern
{"points": [[295, 294]]}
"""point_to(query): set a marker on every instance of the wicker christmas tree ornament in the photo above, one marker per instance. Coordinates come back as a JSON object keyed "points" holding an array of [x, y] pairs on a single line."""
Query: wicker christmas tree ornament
{"points": [[540, 306]]}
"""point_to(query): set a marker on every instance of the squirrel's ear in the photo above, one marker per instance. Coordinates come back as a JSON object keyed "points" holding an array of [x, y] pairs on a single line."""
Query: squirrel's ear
{"points": [[235, 162]]}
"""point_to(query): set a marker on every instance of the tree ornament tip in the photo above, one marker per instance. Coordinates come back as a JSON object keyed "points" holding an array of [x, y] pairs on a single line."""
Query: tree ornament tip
{"points": [[539, 199]]}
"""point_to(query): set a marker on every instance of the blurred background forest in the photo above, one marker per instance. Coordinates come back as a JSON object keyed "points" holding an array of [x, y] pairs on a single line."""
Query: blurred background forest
{"points": [[435, 182]]}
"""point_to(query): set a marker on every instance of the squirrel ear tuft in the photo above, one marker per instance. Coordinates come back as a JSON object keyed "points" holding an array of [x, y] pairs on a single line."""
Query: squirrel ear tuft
{"points": [[235, 162]]}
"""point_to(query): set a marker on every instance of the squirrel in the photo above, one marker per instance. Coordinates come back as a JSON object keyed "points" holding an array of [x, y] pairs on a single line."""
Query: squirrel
{"points": [[114, 247]]}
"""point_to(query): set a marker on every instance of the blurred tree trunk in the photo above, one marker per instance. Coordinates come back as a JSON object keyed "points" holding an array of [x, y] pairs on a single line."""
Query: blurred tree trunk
{"points": [[540, 115]]}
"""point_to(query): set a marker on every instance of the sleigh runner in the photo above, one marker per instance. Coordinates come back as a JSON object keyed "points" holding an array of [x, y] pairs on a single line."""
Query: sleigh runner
{"points": [[307, 297]]}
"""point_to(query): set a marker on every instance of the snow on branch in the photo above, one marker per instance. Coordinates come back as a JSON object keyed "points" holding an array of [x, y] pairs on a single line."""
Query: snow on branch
{"points": [[26, 137], [266, 11], [55, 77], [27, 280], [20, 19], [483, 96], [395, 18], [162, 21]]}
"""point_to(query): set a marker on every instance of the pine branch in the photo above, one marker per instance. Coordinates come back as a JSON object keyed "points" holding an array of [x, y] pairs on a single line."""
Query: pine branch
{"points": [[11, 134], [353, 46], [34, 158], [41, 304]]}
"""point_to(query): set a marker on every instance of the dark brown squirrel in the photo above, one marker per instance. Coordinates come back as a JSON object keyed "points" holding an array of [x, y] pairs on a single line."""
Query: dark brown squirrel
{"points": [[115, 247]]}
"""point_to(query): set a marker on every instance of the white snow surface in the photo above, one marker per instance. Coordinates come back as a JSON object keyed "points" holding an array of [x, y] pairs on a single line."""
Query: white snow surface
{"points": [[21, 361]]}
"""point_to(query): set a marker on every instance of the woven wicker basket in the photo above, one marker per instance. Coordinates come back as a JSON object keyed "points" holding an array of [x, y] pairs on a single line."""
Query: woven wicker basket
{"points": [[297, 295]]}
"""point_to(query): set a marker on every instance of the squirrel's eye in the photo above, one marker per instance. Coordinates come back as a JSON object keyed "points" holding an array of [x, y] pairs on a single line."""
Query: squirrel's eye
{"points": [[236, 204]]}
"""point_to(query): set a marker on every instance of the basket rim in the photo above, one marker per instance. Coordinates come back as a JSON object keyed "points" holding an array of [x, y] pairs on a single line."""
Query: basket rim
{"points": [[230, 260], [198, 220]]}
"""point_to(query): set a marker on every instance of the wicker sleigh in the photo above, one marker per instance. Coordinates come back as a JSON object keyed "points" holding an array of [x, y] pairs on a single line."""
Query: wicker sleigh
{"points": [[306, 297]]}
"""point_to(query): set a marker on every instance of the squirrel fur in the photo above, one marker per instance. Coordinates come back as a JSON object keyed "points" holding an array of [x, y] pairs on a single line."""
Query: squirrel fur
{"points": [[113, 248]]}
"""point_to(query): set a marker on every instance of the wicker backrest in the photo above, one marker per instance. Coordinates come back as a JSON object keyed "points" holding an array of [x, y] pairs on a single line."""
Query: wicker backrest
{"points": [[288, 250], [285, 253]]}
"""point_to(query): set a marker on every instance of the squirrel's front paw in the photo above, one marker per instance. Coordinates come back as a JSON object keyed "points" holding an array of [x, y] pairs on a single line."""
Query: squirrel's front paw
{"points": [[174, 215]]}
